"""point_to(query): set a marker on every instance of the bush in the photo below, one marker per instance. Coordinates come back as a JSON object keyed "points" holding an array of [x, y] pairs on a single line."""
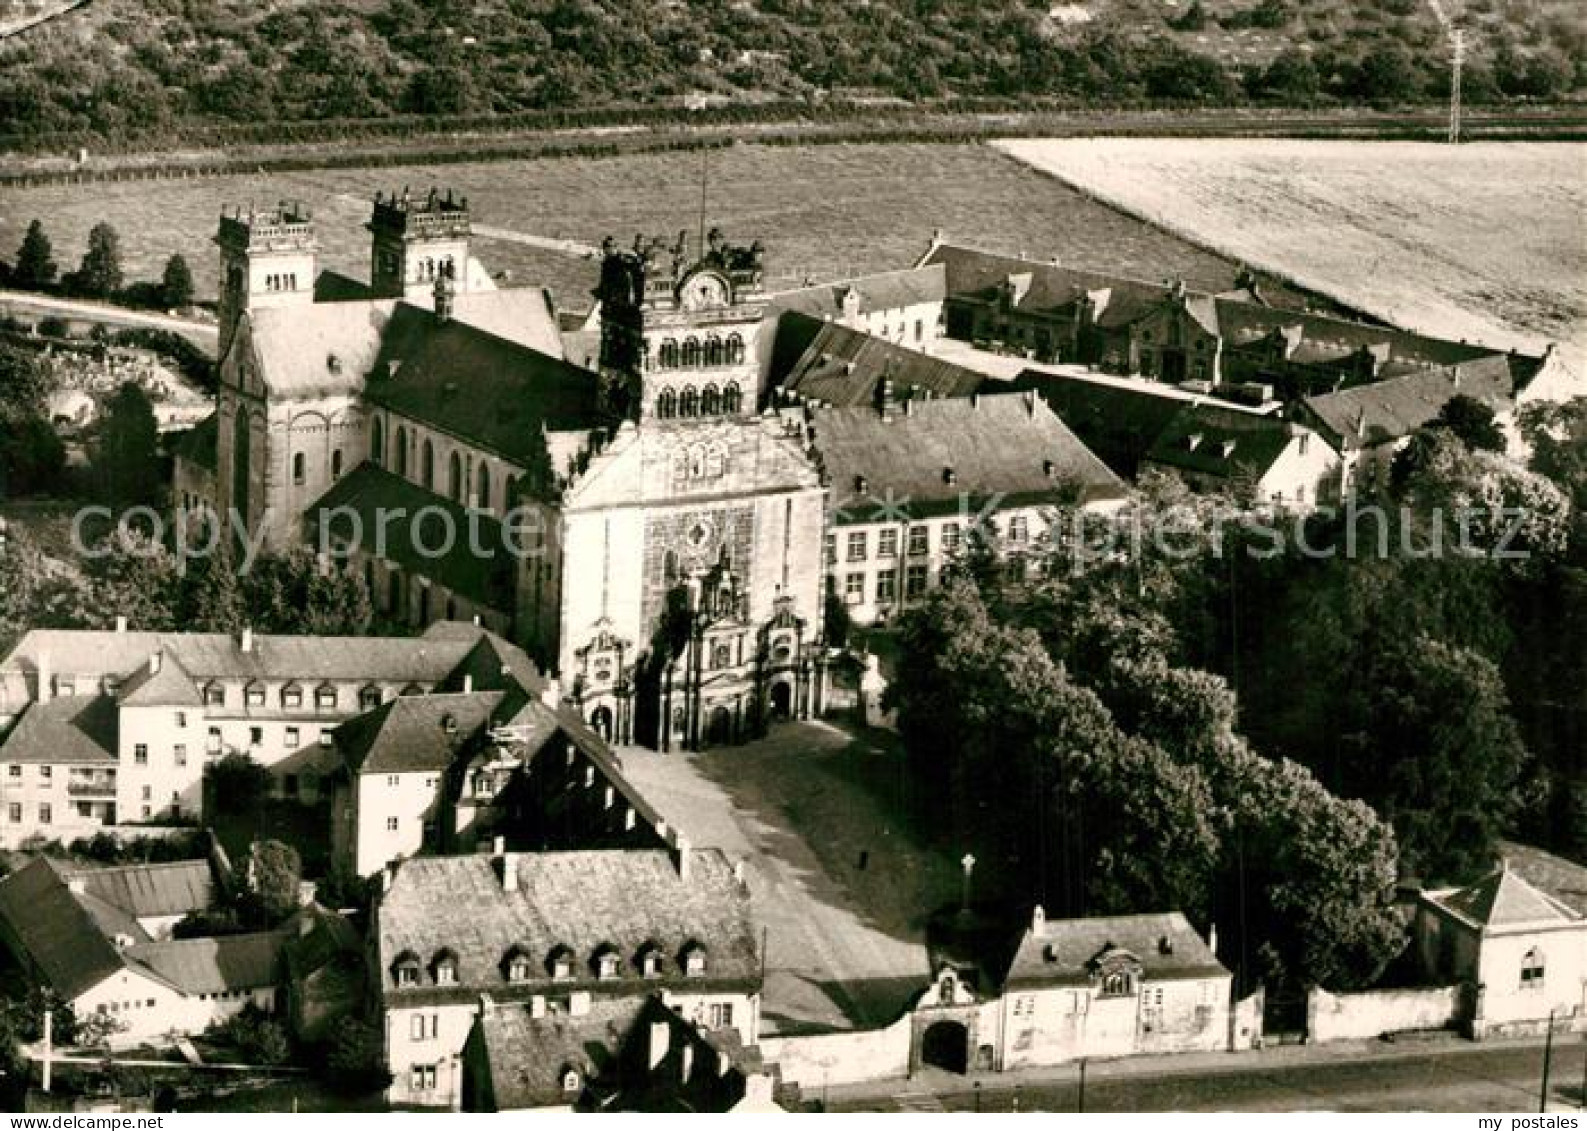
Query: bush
{"points": [[257, 1037], [355, 1055]]}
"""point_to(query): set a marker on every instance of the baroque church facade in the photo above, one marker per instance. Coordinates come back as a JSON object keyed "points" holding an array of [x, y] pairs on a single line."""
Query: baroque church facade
{"points": [[673, 581]]}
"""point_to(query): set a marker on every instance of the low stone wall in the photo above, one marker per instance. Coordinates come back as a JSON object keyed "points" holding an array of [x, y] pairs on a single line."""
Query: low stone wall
{"points": [[841, 1058], [1343, 1017]]}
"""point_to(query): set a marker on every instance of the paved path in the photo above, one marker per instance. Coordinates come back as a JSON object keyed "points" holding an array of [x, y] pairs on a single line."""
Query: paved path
{"points": [[105, 312], [826, 968], [1438, 1074]]}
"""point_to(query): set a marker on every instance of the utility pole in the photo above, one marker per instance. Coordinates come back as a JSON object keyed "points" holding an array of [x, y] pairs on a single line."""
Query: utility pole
{"points": [[1548, 1056], [49, 1042], [1457, 41]]}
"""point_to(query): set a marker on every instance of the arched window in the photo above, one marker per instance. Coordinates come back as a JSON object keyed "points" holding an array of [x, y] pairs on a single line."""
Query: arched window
{"points": [[713, 350], [400, 457], [669, 354], [691, 353], [427, 466], [336, 464], [732, 399], [710, 401], [689, 403], [735, 349], [509, 488], [454, 478], [377, 442], [667, 404], [1532, 970], [482, 485], [298, 468]]}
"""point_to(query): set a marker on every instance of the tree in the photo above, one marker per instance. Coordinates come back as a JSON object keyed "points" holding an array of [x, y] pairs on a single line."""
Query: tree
{"points": [[1434, 750], [1557, 437], [1472, 421], [126, 456], [236, 785], [1290, 77], [176, 283], [32, 456], [1389, 74], [211, 596], [356, 1055], [135, 577], [99, 275], [25, 381], [275, 873], [836, 623], [35, 267], [294, 592]]}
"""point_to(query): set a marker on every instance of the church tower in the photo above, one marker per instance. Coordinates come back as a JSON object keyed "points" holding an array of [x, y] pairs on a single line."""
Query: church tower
{"points": [[266, 259], [414, 241]]}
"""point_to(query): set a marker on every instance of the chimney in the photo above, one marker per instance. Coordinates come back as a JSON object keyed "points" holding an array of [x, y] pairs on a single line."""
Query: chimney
{"points": [[46, 677], [686, 1067], [537, 1006], [738, 870], [950, 476], [1038, 918], [660, 1038], [1212, 939], [509, 871], [886, 399], [76, 884], [121, 624], [683, 850], [468, 683], [247, 639], [154, 663], [1048, 468]]}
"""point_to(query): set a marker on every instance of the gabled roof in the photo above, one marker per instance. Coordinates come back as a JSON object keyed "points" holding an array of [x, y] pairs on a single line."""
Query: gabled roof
{"points": [[1047, 287], [1221, 442], [200, 444], [1384, 411], [524, 315], [1563, 879], [1064, 951], [890, 290], [1502, 899], [492, 392], [150, 891], [214, 965], [527, 1056], [841, 366], [403, 516], [412, 733], [575, 899], [1117, 419], [170, 686], [995, 445], [68, 730], [57, 933], [321, 348]]}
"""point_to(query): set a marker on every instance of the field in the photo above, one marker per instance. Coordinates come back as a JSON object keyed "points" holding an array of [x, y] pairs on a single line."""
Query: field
{"points": [[823, 212], [1486, 242]]}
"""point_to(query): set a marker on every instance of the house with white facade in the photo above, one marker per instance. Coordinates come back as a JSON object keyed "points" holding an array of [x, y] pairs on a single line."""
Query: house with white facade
{"points": [[553, 939]]}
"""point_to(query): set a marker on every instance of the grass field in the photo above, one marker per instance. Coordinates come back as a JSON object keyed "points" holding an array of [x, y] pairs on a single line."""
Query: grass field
{"points": [[1486, 242], [823, 211]]}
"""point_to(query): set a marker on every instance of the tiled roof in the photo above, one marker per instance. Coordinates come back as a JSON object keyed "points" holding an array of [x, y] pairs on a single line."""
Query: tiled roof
{"points": [[59, 935], [622, 898], [840, 366], [1321, 337], [1503, 899], [150, 891], [1118, 422], [494, 393], [1221, 442], [527, 1056], [415, 732], [1048, 287], [318, 936], [322, 348], [200, 444], [64, 731], [524, 315], [168, 686], [1383, 411], [388, 504], [214, 965], [1563, 879], [890, 290], [1062, 951], [994, 445]]}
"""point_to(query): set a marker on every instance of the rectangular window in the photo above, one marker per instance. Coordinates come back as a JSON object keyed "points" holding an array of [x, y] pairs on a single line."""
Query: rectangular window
{"points": [[45, 813], [920, 330], [14, 770], [950, 537], [291, 740], [214, 696], [914, 581], [148, 793], [255, 736], [393, 781], [919, 541], [856, 547], [886, 586], [830, 549], [1018, 528], [255, 696], [214, 740], [14, 812], [391, 824], [179, 753], [292, 697], [721, 1015], [887, 544], [85, 809], [181, 718], [854, 588], [422, 1078], [140, 754], [46, 772], [416, 1028]]}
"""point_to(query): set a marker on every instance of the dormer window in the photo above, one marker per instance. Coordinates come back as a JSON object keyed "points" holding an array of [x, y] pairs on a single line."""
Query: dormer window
{"points": [[571, 1081], [650, 960], [369, 698], [560, 963], [214, 695], [254, 695], [291, 696], [517, 966], [444, 968], [606, 963], [694, 960], [1120, 983], [405, 970], [325, 698]]}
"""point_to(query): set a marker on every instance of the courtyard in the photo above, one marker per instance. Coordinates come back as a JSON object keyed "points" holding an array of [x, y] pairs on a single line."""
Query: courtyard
{"points": [[842, 878]]}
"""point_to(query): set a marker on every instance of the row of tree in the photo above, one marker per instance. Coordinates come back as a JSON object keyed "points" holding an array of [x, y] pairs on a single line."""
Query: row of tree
{"points": [[1263, 737], [100, 274]]}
